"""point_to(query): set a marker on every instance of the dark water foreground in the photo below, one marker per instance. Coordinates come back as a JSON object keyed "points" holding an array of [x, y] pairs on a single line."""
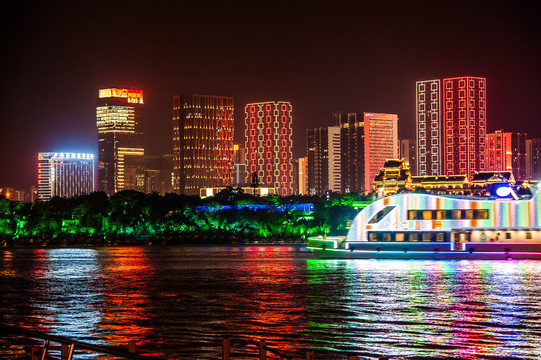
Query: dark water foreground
{"points": [[184, 301]]}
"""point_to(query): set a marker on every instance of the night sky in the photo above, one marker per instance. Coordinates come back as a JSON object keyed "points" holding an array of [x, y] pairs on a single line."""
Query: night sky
{"points": [[322, 57]]}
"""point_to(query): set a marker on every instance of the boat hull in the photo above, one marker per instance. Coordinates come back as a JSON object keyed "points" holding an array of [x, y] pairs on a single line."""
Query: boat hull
{"points": [[337, 248]]}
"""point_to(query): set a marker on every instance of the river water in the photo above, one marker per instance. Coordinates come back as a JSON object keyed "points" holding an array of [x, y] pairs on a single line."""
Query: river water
{"points": [[183, 301]]}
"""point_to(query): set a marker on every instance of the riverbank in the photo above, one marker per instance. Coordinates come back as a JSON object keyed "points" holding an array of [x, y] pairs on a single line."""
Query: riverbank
{"points": [[148, 241]]}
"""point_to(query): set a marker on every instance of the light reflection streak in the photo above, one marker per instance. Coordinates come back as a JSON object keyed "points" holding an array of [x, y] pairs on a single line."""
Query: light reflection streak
{"points": [[126, 281], [405, 308]]}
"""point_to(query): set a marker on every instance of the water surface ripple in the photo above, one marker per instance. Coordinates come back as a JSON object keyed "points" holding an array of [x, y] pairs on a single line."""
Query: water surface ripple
{"points": [[183, 301]]}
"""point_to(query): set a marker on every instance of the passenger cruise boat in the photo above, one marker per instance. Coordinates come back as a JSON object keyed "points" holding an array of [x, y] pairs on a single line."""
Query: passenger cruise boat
{"points": [[425, 226]]}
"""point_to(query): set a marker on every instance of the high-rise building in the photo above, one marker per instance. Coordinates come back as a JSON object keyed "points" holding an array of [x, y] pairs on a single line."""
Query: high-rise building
{"points": [[268, 144], [464, 125], [367, 140], [428, 121], [158, 174], [351, 151], [408, 152], [119, 114], [239, 164], [64, 174], [533, 159], [323, 150], [202, 142], [507, 152], [303, 176], [380, 144]]}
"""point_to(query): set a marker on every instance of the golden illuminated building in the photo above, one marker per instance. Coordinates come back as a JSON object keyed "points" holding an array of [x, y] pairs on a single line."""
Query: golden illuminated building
{"points": [[202, 142], [119, 114], [393, 176]]}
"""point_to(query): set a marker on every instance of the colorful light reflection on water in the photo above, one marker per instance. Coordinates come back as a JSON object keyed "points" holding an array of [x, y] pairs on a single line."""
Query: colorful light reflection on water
{"points": [[165, 298]]}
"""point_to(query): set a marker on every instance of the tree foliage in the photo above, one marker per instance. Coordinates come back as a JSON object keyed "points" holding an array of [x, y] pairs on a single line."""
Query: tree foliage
{"points": [[130, 216]]}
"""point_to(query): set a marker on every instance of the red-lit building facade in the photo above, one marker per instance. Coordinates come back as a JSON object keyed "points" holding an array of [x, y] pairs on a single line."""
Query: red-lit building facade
{"points": [[507, 152], [428, 121], [380, 143], [268, 145], [464, 125], [202, 142]]}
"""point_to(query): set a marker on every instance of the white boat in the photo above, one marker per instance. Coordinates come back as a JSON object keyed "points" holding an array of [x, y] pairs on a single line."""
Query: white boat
{"points": [[425, 226]]}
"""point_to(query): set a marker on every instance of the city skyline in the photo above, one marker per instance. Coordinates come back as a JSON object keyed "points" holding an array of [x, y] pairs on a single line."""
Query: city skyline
{"points": [[320, 58]]}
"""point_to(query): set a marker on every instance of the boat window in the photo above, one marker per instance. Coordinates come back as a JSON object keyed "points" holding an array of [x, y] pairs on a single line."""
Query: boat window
{"points": [[399, 237], [469, 214], [380, 214], [427, 236], [372, 236], [413, 236], [528, 235], [440, 236], [508, 235], [386, 237], [482, 214]]}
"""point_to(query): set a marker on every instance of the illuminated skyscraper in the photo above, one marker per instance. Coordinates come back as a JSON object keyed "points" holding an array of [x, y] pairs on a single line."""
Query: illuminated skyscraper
{"points": [[239, 164], [303, 176], [533, 159], [366, 142], [119, 115], [428, 121], [408, 152], [202, 142], [380, 144], [268, 144], [64, 174], [351, 151], [323, 150], [507, 152], [464, 125]]}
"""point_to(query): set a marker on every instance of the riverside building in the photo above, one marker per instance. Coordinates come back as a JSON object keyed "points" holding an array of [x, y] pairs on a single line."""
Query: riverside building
{"points": [[119, 114], [268, 145], [64, 174], [464, 125], [202, 142]]}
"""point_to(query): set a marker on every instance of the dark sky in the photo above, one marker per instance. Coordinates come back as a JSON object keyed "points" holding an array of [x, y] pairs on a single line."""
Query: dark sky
{"points": [[321, 57]]}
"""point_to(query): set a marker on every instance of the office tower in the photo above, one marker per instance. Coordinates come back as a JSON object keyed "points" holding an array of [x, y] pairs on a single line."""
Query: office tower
{"points": [[428, 121], [506, 152], [295, 176], [64, 174], [464, 125], [268, 144], [408, 152], [158, 174], [202, 142], [352, 151], [119, 114], [239, 164], [323, 150], [303, 176], [380, 144], [533, 159]]}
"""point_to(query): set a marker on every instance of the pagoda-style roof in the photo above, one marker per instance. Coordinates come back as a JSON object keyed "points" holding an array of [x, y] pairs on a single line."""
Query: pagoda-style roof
{"points": [[439, 179], [393, 163], [493, 177]]}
